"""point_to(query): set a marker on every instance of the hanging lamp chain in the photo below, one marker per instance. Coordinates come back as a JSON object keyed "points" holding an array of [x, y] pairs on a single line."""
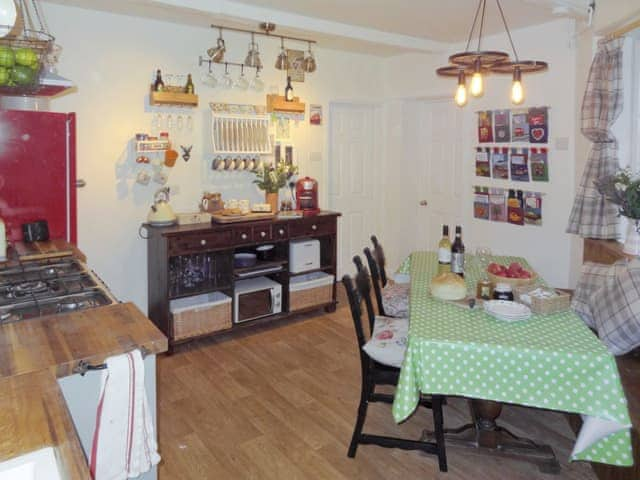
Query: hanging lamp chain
{"points": [[473, 26], [506, 27], [484, 8]]}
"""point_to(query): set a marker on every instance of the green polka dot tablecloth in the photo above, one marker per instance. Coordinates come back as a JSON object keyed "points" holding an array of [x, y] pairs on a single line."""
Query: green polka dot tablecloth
{"points": [[548, 361]]}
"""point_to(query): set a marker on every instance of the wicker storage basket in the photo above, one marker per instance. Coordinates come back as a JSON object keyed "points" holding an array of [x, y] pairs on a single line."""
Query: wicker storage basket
{"points": [[558, 303], [310, 290], [200, 314]]}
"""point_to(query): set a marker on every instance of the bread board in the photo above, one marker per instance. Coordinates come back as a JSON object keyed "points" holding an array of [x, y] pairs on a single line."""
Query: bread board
{"points": [[42, 250], [249, 217]]}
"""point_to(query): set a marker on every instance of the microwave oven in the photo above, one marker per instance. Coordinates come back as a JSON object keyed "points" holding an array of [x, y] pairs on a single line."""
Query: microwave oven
{"points": [[256, 298]]}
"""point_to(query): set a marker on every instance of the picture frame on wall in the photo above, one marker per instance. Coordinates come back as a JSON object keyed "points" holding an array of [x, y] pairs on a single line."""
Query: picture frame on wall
{"points": [[315, 114], [296, 65]]}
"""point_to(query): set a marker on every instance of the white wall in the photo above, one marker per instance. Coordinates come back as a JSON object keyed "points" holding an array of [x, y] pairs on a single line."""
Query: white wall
{"points": [[112, 59], [547, 247]]}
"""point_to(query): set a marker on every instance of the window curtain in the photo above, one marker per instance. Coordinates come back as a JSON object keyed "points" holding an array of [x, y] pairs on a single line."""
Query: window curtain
{"points": [[592, 216]]}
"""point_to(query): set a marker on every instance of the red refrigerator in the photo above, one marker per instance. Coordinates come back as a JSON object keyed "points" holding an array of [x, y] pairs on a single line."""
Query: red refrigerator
{"points": [[38, 172]]}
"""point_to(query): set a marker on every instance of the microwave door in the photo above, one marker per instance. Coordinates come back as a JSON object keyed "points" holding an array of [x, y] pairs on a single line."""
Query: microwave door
{"points": [[253, 305]]}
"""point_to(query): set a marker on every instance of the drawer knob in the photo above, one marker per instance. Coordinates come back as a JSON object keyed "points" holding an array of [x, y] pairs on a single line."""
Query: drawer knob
{"points": [[281, 232], [243, 236], [263, 234], [314, 227], [203, 242]]}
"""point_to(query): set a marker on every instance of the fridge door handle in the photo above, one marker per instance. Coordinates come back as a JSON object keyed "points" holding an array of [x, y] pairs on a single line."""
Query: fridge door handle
{"points": [[80, 183]]}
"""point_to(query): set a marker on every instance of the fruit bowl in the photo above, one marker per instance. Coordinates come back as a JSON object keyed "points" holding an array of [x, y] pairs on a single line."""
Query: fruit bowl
{"points": [[514, 275], [514, 282]]}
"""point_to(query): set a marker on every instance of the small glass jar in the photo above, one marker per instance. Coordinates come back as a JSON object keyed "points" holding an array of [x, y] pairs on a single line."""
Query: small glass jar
{"points": [[483, 289], [503, 291]]}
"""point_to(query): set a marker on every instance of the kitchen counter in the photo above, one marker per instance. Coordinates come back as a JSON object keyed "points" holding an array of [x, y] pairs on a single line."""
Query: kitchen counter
{"points": [[34, 353]]}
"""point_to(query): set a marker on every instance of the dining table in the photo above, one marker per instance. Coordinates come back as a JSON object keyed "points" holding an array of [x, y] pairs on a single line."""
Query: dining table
{"points": [[552, 362]]}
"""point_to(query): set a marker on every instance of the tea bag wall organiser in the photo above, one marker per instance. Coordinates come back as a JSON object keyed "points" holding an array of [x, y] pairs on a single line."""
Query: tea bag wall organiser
{"points": [[519, 154]]}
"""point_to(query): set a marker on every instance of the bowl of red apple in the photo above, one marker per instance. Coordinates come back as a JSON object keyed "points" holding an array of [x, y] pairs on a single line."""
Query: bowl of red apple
{"points": [[514, 274]]}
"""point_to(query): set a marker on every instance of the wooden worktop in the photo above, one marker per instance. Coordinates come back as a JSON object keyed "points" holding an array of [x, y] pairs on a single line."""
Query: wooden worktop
{"points": [[209, 226], [34, 353]]}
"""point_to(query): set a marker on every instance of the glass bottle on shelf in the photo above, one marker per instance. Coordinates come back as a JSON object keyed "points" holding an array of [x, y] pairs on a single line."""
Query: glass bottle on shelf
{"points": [[158, 85]]}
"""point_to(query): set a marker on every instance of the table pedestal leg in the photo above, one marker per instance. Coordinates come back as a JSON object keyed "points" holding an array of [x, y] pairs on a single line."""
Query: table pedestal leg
{"points": [[485, 437]]}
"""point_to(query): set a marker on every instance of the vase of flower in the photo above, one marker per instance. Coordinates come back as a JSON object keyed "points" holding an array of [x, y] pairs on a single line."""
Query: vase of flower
{"points": [[271, 179], [272, 199], [632, 241]]}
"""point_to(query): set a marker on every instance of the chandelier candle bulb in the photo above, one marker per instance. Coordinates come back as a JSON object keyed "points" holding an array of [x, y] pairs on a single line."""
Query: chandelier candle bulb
{"points": [[477, 82], [461, 91], [517, 92]]}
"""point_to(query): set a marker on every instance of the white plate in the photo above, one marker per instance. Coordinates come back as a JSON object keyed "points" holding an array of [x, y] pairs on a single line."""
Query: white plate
{"points": [[8, 16], [507, 311]]}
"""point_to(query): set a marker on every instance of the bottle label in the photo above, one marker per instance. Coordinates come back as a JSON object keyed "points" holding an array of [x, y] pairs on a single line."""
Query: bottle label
{"points": [[444, 255], [457, 262]]}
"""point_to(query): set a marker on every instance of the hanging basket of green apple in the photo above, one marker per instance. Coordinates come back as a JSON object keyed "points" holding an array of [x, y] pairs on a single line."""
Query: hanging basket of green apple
{"points": [[23, 50]]}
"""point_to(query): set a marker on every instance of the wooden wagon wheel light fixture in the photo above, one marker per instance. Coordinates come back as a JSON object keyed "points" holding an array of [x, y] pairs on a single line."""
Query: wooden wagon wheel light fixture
{"points": [[478, 63]]}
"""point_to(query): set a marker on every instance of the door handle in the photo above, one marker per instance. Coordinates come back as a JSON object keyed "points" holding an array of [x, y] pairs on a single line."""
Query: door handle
{"points": [[80, 183], [423, 203]]}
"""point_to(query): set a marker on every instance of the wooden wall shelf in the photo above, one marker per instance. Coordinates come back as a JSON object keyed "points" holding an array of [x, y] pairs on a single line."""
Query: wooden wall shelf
{"points": [[277, 103], [173, 99]]}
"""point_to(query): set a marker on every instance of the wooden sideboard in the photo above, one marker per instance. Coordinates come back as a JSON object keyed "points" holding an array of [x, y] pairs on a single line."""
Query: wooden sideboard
{"points": [[610, 251], [217, 244]]}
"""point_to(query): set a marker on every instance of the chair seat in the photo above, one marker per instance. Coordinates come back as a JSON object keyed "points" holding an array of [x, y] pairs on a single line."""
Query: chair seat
{"points": [[388, 342], [395, 300]]}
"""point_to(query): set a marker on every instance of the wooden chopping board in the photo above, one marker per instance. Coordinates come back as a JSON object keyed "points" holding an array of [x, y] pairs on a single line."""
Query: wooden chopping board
{"points": [[41, 250], [249, 217]]}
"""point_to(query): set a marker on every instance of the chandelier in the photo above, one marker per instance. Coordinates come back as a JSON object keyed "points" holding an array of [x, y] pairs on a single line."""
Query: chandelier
{"points": [[478, 63]]}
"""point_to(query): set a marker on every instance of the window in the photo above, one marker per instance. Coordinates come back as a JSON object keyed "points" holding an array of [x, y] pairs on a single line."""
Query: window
{"points": [[627, 127]]}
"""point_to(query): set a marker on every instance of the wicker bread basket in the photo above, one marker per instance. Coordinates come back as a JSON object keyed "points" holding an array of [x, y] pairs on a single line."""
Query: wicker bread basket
{"points": [[545, 306]]}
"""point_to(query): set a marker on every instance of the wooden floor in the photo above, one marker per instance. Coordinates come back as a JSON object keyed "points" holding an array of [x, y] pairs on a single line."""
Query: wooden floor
{"points": [[280, 403]]}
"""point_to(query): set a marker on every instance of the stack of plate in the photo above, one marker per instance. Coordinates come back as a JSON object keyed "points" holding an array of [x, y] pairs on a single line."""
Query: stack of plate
{"points": [[507, 311]]}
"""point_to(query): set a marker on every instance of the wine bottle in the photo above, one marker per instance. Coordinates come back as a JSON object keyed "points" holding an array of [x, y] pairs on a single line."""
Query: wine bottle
{"points": [[444, 251], [288, 91], [189, 88], [158, 85], [457, 253]]}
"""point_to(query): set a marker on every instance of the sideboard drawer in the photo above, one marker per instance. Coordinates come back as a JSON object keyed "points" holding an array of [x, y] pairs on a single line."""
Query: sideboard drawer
{"points": [[199, 242], [243, 234], [312, 227], [262, 233], [280, 231]]}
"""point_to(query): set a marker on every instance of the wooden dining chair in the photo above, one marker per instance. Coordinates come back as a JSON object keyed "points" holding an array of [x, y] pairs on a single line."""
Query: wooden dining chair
{"points": [[392, 298], [374, 374], [378, 255]]}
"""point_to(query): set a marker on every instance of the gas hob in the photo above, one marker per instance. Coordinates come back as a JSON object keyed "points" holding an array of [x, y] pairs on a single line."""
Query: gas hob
{"points": [[38, 288]]}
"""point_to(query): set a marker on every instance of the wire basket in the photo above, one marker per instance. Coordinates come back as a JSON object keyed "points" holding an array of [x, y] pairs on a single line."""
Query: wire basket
{"points": [[23, 76]]}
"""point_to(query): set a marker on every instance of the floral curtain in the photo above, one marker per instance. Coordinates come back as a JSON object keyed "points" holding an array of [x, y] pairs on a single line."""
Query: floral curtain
{"points": [[592, 216]]}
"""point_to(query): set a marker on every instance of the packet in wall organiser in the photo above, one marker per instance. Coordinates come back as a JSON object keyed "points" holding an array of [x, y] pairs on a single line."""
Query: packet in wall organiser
{"points": [[500, 163], [481, 203], [519, 165], [520, 126], [539, 165], [483, 168], [498, 205], [502, 128], [485, 126], [533, 208]]}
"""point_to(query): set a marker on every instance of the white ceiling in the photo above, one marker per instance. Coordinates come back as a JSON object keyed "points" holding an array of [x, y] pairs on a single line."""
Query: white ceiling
{"points": [[445, 21], [382, 27]]}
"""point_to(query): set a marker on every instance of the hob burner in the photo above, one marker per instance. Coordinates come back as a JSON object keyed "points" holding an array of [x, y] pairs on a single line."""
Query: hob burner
{"points": [[27, 288]]}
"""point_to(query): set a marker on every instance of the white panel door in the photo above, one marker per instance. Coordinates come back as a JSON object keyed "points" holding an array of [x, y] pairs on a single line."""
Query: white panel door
{"points": [[433, 133], [352, 167]]}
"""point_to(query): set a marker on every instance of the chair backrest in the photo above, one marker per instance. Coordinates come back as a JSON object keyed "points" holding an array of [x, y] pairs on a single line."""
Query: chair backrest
{"points": [[378, 254], [375, 279], [363, 286]]}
